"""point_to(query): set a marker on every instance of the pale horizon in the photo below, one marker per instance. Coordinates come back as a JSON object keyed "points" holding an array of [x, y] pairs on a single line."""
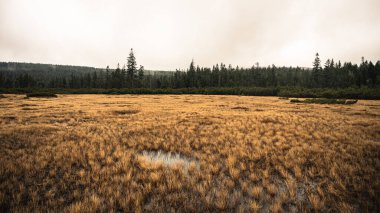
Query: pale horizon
{"points": [[168, 34]]}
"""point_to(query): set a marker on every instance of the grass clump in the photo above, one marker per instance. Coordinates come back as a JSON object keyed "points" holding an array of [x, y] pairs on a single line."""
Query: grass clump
{"points": [[324, 101], [41, 95]]}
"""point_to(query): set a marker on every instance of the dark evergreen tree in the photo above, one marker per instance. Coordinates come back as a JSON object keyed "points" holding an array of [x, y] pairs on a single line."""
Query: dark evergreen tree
{"points": [[116, 77], [95, 82], [141, 75], [316, 73], [108, 78], [377, 74], [131, 68], [371, 74], [123, 77], [191, 75]]}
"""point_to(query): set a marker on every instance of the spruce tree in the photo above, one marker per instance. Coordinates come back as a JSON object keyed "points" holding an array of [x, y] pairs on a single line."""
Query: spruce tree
{"points": [[316, 75], [141, 75], [191, 74], [325, 75], [377, 73], [123, 77], [116, 77], [131, 68], [371, 74], [108, 78]]}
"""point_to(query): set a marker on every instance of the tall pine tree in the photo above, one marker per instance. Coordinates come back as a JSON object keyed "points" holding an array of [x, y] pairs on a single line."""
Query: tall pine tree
{"points": [[131, 68], [316, 73]]}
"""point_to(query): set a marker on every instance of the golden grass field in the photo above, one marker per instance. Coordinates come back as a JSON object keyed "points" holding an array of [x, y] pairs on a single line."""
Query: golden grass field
{"points": [[96, 153]]}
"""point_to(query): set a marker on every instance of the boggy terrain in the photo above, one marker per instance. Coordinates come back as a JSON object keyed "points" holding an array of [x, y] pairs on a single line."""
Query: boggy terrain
{"points": [[187, 153]]}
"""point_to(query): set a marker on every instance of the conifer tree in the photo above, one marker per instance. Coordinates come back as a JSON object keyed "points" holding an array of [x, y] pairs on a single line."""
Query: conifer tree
{"points": [[141, 75], [191, 74], [316, 75], [108, 77], [131, 68]]}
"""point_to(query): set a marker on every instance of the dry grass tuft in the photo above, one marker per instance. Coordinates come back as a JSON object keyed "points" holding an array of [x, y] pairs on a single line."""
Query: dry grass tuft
{"points": [[257, 191], [255, 206], [272, 189], [316, 202]]}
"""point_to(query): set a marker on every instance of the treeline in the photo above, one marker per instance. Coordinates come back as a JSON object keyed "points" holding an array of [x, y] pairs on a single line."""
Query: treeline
{"points": [[330, 75], [297, 92]]}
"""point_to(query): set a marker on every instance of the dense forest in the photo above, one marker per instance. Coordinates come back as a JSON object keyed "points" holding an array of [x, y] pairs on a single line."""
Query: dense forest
{"points": [[331, 74]]}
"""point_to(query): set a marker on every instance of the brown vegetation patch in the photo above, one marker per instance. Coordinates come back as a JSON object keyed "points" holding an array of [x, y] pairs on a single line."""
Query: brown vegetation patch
{"points": [[240, 108], [8, 119], [27, 105], [367, 114], [363, 124], [297, 111], [125, 112], [26, 137], [28, 108], [84, 157]]}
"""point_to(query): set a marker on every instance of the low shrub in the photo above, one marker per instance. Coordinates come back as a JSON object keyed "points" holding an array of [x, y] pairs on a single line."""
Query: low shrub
{"points": [[41, 95], [125, 112], [324, 101], [295, 101], [351, 101]]}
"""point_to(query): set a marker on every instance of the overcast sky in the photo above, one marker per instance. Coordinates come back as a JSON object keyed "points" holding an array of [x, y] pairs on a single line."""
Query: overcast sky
{"points": [[167, 34]]}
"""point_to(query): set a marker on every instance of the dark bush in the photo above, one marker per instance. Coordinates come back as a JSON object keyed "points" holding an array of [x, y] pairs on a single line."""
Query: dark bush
{"points": [[41, 95], [125, 112], [351, 101], [295, 101], [324, 101]]}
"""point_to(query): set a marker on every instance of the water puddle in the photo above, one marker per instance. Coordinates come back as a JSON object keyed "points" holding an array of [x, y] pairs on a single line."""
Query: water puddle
{"points": [[170, 159]]}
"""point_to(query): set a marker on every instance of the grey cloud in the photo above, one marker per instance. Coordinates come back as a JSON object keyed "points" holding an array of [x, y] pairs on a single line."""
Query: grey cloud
{"points": [[167, 34]]}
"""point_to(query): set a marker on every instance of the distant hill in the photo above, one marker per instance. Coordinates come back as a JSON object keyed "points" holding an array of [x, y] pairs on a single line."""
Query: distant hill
{"points": [[37, 70], [44, 71]]}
